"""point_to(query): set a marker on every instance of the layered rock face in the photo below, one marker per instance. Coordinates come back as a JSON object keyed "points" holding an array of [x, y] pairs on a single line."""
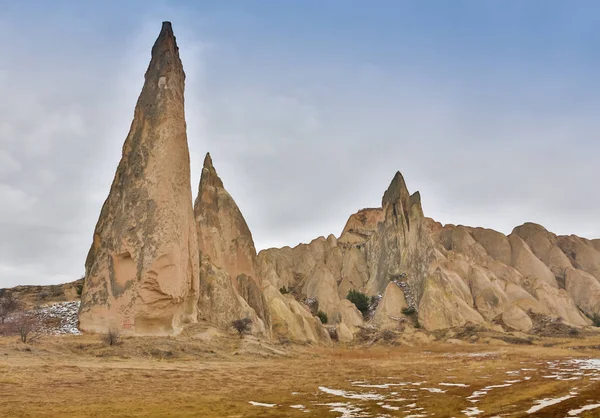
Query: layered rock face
{"points": [[142, 269]]}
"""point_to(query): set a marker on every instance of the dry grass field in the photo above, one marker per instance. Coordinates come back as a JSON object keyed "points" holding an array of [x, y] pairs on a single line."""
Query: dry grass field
{"points": [[217, 375]]}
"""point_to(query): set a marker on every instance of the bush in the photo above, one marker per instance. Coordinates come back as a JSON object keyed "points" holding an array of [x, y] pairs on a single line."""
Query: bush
{"points": [[79, 289], [112, 337], [283, 290], [596, 320], [242, 325], [360, 300], [322, 316], [409, 311], [9, 303], [27, 326]]}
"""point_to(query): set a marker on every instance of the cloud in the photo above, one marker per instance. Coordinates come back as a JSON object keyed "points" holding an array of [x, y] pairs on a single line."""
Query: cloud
{"points": [[301, 135]]}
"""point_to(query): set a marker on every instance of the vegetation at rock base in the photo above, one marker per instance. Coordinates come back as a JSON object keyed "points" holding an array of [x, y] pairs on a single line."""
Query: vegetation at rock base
{"points": [[409, 311], [242, 325], [322, 316], [360, 300], [112, 337]]}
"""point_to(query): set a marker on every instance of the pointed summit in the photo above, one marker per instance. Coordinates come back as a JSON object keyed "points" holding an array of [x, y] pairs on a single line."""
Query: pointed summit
{"points": [[142, 270], [397, 190], [209, 175], [224, 237]]}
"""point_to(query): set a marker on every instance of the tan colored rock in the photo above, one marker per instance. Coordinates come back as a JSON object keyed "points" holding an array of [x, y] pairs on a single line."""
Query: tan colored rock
{"points": [[463, 242], [556, 300], [142, 268], [361, 226], [488, 294], [321, 285], [443, 306], [350, 320], [543, 245], [495, 244], [220, 303], [582, 253], [224, 237], [584, 289], [389, 311], [517, 319], [527, 263], [290, 320], [355, 272], [401, 245]]}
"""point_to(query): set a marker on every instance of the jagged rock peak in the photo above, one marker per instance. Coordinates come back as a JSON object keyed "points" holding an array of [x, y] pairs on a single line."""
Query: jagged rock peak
{"points": [[396, 190], [209, 175]]}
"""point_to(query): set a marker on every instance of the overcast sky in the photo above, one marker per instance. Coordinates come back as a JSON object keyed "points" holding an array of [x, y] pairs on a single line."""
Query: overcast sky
{"points": [[491, 109]]}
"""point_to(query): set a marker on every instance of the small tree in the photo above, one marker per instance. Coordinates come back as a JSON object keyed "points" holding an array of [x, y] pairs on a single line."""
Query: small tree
{"points": [[322, 316], [28, 326], [596, 320], [9, 304], [360, 300], [242, 325], [112, 337]]}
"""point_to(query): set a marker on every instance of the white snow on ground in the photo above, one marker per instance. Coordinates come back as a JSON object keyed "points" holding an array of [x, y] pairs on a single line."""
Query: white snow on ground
{"points": [[434, 390], [297, 406], [543, 403], [460, 385], [346, 409], [575, 412], [472, 411], [380, 386], [267, 405], [352, 395]]}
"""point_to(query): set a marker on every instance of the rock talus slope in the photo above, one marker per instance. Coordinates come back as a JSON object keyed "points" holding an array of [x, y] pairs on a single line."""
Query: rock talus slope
{"points": [[142, 268]]}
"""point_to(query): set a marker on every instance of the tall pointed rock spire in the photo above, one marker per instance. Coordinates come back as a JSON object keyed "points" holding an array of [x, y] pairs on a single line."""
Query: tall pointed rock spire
{"points": [[225, 239], [142, 270]]}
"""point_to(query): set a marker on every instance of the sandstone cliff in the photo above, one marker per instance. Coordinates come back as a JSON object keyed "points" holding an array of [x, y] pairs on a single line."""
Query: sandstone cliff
{"points": [[142, 269]]}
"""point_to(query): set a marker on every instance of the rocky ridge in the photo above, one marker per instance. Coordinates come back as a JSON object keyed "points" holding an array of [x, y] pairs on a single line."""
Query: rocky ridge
{"points": [[158, 263]]}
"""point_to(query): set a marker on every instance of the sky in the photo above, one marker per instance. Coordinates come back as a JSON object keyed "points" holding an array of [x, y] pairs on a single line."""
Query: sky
{"points": [[308, 108]]}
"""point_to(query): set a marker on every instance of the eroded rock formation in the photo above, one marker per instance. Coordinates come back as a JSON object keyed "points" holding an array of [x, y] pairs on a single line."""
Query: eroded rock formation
{"points": [[142, 269], [452, 275], [156, 263]]}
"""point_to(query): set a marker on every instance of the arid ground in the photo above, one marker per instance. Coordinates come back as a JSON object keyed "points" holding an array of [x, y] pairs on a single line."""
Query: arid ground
{"points": [[214, 375]]}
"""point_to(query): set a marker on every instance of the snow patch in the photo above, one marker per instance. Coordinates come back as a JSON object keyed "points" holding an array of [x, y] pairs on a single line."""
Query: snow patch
{"points": [[266, 405]]}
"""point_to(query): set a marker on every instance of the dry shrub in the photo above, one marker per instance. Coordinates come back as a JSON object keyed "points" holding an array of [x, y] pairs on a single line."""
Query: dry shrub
{"points": [[112, 337], [242, 325], [27, 326]]}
